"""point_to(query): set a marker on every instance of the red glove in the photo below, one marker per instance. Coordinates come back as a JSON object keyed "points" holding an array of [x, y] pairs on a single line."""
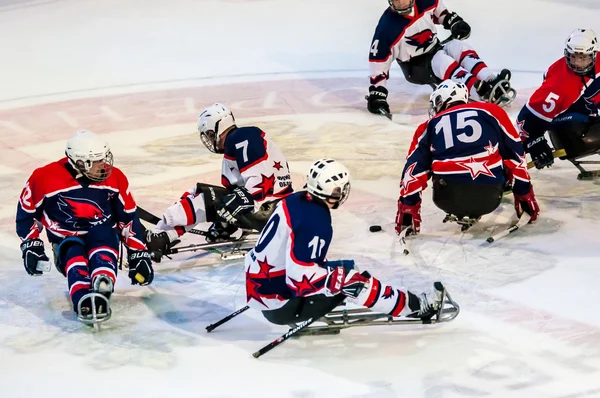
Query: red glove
{"points": [[527, 203], [349, 283], [408, 216]]}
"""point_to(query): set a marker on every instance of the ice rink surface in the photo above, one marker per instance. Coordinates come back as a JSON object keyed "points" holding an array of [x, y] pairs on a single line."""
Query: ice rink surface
{"points": [[139, 72]]}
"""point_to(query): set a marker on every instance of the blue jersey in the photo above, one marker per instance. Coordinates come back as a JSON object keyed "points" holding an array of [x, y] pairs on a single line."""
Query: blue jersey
{"points": [[288, 258], [470, 143], [563, 95], [253, 161], [67, 204]]}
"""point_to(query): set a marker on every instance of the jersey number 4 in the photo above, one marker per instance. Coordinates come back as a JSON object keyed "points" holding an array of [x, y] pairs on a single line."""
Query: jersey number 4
{"points": [[466, 130], [374, 50]]}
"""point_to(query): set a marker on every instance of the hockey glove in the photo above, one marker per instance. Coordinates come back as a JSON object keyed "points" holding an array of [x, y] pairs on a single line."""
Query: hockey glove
{"points": [[220, 232], [140, 267], [408, 217], [457, 26], [540, 152], [377, 100], [527, 203], [349, 283], [33, 251], [236, 204]]}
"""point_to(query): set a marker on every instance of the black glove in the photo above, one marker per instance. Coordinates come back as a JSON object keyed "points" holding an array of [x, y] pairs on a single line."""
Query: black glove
{"points": [[140, 267], [459, 28], [220, 232], [235, 204], [377, 100], [33, 251], [540, 152]]}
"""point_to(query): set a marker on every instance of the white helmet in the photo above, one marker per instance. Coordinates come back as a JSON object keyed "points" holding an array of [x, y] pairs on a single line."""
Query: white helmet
{"points": [[446, 93], [584, 42], [402, 11], [212, 123], [329, 180], [90, 155]]}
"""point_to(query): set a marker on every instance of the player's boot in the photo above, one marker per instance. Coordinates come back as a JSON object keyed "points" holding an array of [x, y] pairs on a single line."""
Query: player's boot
{"points": [[497, 89], [94, 307], [425, 306], [159, 243]]}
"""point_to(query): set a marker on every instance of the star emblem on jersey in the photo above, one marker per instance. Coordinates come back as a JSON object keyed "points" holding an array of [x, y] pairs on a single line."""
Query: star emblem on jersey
{"points": [[409, 178], [252, 287], [127, 229], [265, 268], [421, 40], [491, 149], [266, 185], [277, 166], [476, 168], [304, 286]]}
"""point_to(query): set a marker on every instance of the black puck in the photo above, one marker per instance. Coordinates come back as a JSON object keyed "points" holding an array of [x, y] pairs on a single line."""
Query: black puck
{"points": [[375, 228]]}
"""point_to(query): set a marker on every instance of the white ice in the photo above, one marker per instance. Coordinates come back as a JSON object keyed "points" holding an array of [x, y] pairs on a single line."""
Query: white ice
{"points": [[139, 71]]}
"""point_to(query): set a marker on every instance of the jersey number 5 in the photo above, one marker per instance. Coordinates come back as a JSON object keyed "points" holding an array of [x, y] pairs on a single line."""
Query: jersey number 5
{"points": [[462, 123], [550, 102]]}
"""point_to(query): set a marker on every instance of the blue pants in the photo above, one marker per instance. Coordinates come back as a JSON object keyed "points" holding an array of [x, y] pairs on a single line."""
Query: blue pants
{"points": [[82, 258]]}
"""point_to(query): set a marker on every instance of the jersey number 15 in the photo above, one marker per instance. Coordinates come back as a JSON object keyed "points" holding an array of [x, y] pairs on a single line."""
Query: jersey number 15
{"points": [[461, 130]]}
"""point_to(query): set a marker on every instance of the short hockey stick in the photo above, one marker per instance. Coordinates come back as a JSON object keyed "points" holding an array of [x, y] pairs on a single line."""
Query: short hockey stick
{"points": [[215, 325], [522, 221]]}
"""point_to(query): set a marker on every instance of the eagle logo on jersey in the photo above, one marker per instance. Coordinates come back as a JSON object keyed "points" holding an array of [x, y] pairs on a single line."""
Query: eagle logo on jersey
{"points": [[592, 102], [421, 40], [81, 209]]}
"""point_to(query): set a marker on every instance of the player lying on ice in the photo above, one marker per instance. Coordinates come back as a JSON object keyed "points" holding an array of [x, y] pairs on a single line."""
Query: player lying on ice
{"points": [[288, 276], [407, 33], [85, 204], [468, 149], [255, 175], [566, 106]]}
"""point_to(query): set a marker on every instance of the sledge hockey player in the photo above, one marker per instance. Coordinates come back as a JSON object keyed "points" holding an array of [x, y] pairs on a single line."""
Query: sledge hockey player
{"points": [[467, 148], [255, 174], [287, 274], [407, 33], [85, 204], [566, 104]]}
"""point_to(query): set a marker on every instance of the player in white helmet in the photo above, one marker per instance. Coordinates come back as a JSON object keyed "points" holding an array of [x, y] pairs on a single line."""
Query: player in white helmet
{"points": [[254, 175], [407, 33], [565, 105], [288, 275], [468, 150], [82, 200]]}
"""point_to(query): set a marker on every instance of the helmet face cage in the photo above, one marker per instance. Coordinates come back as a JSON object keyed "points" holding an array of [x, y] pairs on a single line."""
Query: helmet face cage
{"points": [[581, 44], [580, 70], [402, 11], [209, 139], [96, 170]]}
